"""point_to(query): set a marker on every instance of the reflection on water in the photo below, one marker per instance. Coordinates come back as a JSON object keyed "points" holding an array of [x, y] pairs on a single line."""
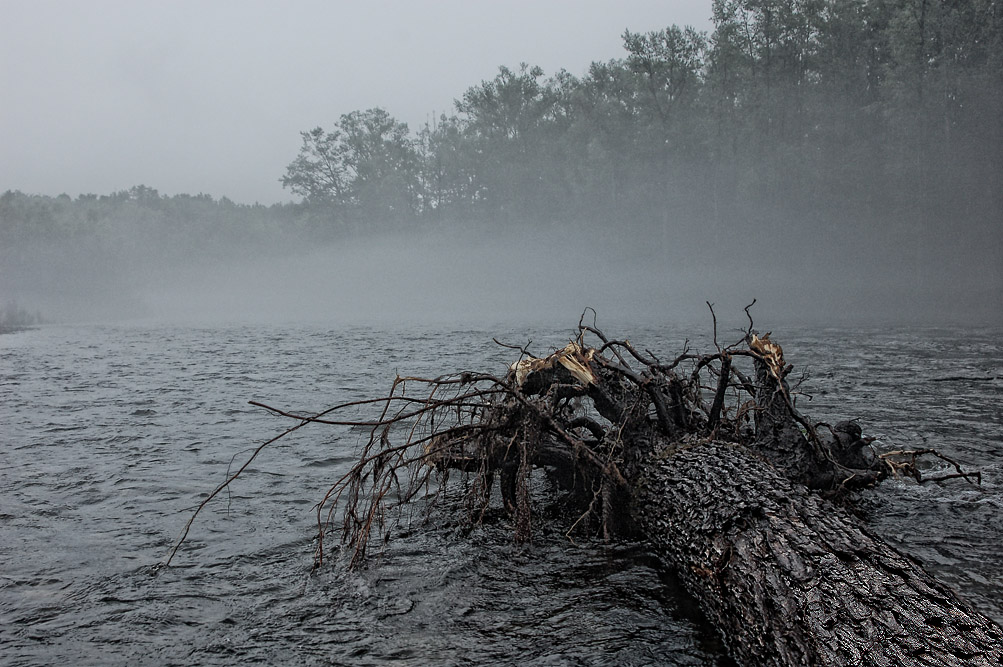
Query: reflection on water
{"points": [[113, 434]]}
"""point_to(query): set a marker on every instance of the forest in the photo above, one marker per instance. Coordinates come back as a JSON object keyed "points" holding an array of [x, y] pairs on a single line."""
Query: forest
{"points": [[838, 137], [890, 106]]}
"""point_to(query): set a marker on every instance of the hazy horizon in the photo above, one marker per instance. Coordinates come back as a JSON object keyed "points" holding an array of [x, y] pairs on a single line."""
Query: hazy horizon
{"points": [[190, 97], [454, 276], [833, 179]]}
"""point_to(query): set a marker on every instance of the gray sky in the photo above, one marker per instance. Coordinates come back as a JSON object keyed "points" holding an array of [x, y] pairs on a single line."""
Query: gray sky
{"points": [[195, 96]]}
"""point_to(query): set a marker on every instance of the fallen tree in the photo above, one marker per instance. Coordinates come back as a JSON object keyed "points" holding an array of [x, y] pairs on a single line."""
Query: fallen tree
{"points": [[706, 456]]}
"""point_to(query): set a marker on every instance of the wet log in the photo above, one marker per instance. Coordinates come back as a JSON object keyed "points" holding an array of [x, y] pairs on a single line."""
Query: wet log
{"points": [[736, 496], [788, 578], [785, 575]]}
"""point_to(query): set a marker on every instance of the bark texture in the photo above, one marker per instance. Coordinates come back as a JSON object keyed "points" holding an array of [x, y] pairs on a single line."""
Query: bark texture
{"points": [[715, 466], [790, 579]]}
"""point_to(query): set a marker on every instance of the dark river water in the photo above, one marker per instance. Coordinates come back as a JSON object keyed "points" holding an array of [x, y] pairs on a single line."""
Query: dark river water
{"points": [[110, 435]]}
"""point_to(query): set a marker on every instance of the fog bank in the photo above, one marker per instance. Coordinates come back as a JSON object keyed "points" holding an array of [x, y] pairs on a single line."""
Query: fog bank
{"points": [[484, 277]]}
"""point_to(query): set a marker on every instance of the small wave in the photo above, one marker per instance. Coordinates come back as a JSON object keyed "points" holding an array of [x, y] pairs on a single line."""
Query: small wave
{"points": [[62, 429], [330, 462], [966, 378]]}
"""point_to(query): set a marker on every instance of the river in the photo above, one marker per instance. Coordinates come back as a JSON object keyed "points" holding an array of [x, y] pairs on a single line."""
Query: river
{"points": [[111, 434]]}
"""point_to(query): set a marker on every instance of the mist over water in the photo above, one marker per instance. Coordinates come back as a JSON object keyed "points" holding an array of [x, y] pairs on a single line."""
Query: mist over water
{"points": [[841, 163], [442, 276], [480, 274]]}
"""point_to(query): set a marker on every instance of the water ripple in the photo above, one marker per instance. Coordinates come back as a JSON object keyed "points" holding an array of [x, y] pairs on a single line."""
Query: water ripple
{"points": [[113, 434]]}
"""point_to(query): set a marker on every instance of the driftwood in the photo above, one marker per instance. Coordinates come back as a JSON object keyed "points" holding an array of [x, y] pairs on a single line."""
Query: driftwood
{"points": [[790, 580], [706, 456]]}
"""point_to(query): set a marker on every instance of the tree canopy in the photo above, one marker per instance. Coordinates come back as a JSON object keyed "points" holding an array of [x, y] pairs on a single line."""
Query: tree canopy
{"points": [[852, 130], [862, 105]]}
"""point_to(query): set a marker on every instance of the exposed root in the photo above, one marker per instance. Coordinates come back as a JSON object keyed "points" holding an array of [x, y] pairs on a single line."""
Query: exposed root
{"points": [[905, 462], [586, 415]]}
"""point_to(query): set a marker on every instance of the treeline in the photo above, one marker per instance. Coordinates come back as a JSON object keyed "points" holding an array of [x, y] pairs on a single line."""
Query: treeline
{"points": [[182, 223], [843, 143], [873, 107], [14, 317], [94, 256]]}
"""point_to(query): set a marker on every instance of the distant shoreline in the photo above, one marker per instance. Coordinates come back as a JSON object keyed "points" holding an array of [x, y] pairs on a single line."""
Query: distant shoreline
{"points": [[14, 328]]}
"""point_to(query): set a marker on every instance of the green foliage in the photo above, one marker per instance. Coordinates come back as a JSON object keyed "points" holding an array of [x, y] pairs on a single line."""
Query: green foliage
{"points": [[669, 63], [319, 173], [889, 108], [366, 168], [793, 105]]}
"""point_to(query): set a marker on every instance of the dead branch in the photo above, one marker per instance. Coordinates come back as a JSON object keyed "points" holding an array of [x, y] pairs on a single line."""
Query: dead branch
{"points": [[618, 440]]}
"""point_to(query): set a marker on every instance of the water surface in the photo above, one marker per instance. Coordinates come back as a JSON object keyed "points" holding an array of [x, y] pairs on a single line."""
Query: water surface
{"points": [[112, 434]]}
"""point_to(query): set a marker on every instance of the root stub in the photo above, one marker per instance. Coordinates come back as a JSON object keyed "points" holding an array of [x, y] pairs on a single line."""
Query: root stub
{"points": [[706, 456]]}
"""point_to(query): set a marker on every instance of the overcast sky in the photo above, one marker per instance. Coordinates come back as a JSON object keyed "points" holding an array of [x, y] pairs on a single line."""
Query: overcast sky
{"points": [[196, 96]]}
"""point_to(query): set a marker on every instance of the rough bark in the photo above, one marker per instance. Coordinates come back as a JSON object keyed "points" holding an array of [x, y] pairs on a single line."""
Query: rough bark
{"points": [[786, 576], [789, 579], [744, 515]]}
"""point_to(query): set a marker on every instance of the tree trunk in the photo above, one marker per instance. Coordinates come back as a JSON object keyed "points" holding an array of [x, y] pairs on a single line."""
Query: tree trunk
{"points": [[785, 574], [790, 579]]}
